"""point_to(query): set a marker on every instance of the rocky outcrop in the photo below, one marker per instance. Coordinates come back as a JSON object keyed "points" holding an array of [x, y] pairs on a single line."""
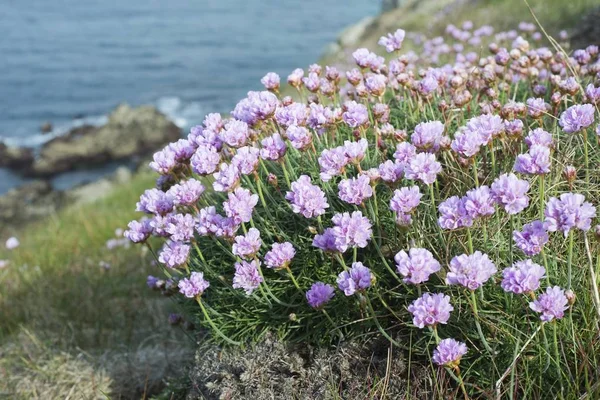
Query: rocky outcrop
{"points": [[15, 157], [29, 202], [129, 132]]}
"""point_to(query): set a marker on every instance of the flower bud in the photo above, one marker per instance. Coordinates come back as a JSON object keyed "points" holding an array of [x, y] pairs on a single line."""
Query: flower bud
{"points": [[272, 179], [597, 232], [313, 230], [293, 317], [571, 296], [570, 174], [286, 101]]}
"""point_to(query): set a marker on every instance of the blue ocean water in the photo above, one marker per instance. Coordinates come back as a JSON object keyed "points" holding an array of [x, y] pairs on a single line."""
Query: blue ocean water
{"points": [[71, 61]]}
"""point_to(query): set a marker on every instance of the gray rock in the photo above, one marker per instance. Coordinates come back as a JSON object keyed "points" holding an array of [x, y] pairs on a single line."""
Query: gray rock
{"points": [[15, 157], [46, 127], [29, 202], [352, 34], [129, 132], [388, 5]]}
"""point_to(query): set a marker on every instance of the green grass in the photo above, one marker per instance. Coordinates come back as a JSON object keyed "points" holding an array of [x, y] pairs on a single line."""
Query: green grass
{"points": [[56, 295]]}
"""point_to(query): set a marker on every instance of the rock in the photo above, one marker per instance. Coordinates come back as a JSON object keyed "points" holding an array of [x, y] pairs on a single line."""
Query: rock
{"points": [[388, 5], [352, 34], [15, 157], [95, 190], [46, 127], [129, 132], [29, 202]]}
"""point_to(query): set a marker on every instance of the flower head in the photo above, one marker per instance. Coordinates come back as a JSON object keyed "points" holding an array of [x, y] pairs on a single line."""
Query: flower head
{"points": [[273, 147], [449, 352], [427, 136], [551, 304], [423, 167], [405, 200], [355, 151], [332, 162], [240, 205], [390, 171], [205, 160], [174, 254], [319, 294], [271, 81], [470, 271], [358, 278], [351, 230], [139, 231], [535, 162], [539, 137], [227, 178], [417, 265], [307, 199], [325, 241], [355, 190], [522, 277], [299, 137], [479, 202], [180, 227], [393, 41], [246, 160], [186, 193], [246, 246], [193, 286], [247, 276], [356, 114], [577, 117], [511, 193], [532, 238], [280, 256], [569, 212], [430, 310], [453, 214], [12, 243], [236, 133]]}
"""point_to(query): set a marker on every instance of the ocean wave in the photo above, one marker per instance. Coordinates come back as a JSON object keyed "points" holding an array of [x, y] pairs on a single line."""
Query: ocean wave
{"points": [[183, 114]]}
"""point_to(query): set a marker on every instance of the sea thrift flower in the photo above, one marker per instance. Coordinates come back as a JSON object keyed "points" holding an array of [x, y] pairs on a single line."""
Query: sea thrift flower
{"points": [[174, 254], [577, 117], [295, 78], [139, 231], [292, 114], [240, 205], [299, 137], [376, 84], [164, 161], [193, 286], [423, 167], [466, 143], [355, 280], [470, 271], [514, 128], [319, 294], [181, 227], [453, 214], [571, 211], [247, 276], [182, 149], [280, 256], [511, 193], [226, 178], [12, 243], [332, 163], [535, 162], [427, 136], [522, 277], [405, 200], [417, 265], [325, 241], [479, 202], [404, 153], [532, 238], [355, 151], [393, 41], [307, 199], [355, 190], [449, 352], [430, 310], [186, 193], [355, 115], [486, 126], [351, 230], [236, 133], [539, 137], [152, 282], [154, 201], [536, 107], [246, 160], [390, 171], [271, 81], [246, 246], [593, 93], [551, 304], [205, 160], [273, 148]]}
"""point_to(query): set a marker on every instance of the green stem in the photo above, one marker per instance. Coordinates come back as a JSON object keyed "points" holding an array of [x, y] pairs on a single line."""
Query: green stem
{"points": [[333, 324], [585, 154], [294, 281], [470, 240], [478, 325], [285, 174], [542, 196], [475, 172], [557, 357], [570, 259], [214, 327], [383, 332]]}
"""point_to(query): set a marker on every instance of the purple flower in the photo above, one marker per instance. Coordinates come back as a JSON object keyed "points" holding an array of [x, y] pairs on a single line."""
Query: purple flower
{"points": [[355, 190], [428, 135], [511, 193], [312, 82], [246, 246], [226, 178], [403, 219], [240, 205], [470, 271], [355, 115], [211, 223], [391, 171], [577, 117], [522, 277], [376, 84], [539, 137], [417, 265], [246, 160], [430, 310], [299, 137], [319, 294], [164, 161], [280, 256], [358, 278], [351, 230], [479, 202], [273, 147], [423, 167], [307, 199], [316, 117], [138, 232], [186, 193], [152, 282], [405, 200], [392, 42], [355, 151], [159, 225], [295, 78], [174, 254], [453, 214], [466, 143], [235, 133], [551, 304], [449, 352], [366, 59], [325, 241], [536, 107], [154, 201], [247, 276], [293, 114], [182, 149], [532, 239], [535, 162], [487, 127], [193, 286], [181, 227], [332, 163], [205, 160], [570, 212], [404, 153], [593, 93], [271, 81], [513, 128], [257, 106]]}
